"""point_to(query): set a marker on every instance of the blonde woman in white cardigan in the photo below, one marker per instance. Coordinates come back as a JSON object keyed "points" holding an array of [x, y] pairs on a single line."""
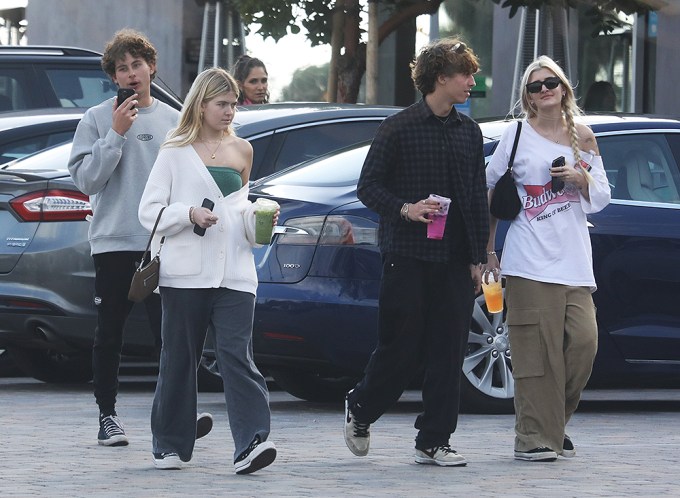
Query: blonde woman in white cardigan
{"points": [[209, 280]]}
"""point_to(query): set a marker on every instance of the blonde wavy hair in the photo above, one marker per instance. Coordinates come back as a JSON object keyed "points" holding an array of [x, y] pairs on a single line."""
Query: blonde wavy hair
{"points": [[569, 106], [207, 85]]}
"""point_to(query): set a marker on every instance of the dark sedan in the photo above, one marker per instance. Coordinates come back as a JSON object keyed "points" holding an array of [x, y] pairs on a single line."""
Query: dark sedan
{"points": [[316, 310], [47, 316], [24, 132]]}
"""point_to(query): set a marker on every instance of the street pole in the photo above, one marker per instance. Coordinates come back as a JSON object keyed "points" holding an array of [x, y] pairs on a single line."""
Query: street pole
{"points": [[372, 54]]}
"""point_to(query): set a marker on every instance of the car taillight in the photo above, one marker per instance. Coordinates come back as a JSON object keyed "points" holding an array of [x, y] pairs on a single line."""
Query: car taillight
{"points": [[52, 205], [329, 230]]}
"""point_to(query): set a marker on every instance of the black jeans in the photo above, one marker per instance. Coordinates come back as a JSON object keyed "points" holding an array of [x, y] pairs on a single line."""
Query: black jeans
{"points": [[113, 274], [424, 319]]}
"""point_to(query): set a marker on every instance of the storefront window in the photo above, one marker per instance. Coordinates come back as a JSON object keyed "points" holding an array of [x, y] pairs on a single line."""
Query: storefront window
{"points": [[605, 67], [473, 20]]}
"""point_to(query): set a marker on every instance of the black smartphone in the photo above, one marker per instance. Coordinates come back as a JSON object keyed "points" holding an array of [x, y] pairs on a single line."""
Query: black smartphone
{"points": [[557, 183], [124, 94], [207, 203]]}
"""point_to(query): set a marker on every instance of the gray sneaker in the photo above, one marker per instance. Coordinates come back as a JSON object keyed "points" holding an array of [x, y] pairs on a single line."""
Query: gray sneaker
{"points": [[443, 456], [357, 435]]}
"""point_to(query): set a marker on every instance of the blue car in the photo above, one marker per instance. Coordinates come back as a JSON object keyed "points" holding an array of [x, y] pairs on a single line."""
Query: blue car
{"points": [[316, 312]]}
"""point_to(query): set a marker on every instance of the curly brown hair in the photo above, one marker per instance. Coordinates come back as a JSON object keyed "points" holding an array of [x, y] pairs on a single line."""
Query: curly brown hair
{"points": [[127, 41], [447, 56]]}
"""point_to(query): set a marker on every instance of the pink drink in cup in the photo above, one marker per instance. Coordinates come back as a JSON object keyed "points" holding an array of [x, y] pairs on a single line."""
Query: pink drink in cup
{"points": [[435, 230]]}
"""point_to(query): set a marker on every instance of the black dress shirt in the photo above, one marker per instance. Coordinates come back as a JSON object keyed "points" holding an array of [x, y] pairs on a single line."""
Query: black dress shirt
{"points": [[415, 154]]}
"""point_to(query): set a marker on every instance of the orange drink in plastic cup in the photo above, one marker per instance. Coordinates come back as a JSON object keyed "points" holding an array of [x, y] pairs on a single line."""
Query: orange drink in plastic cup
{"points": [[493, 293]]}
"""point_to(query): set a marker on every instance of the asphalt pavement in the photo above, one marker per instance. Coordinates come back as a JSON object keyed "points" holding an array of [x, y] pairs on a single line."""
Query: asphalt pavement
{"points": [[627, 444]]}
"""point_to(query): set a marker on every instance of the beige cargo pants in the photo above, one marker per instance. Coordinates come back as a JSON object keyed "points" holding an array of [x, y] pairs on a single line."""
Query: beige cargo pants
{"points": [[553, 340]]}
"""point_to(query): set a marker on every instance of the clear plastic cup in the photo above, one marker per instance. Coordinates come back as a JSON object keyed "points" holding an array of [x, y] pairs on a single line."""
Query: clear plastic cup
{"points": [[493, 292], [265, 209], [435, 230]]}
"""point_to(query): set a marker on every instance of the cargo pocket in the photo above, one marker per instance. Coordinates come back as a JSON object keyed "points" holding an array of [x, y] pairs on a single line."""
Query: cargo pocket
{"points": [[525, 343]]}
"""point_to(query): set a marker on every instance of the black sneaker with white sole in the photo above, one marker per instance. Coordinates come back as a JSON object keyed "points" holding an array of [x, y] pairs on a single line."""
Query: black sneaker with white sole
{"points": [[111, 432], [542, 454], [257, 456], [167, 461], [204, 424], [568, 450]]}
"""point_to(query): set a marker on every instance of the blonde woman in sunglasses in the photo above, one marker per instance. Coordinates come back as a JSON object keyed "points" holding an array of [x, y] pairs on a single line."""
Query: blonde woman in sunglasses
{"points": [[547, 259]]}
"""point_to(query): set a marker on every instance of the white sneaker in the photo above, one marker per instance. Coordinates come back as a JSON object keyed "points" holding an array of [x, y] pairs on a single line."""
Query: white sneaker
{"points": [[357, 435], [167, 461], [440, 455]]}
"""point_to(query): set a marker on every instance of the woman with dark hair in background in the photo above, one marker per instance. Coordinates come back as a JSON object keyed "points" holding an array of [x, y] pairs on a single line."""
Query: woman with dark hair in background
{"points": [[252, 77]]}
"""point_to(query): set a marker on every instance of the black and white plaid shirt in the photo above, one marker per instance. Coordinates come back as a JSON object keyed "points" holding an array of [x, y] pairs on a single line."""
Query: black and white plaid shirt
{"points": [[415, 154]]}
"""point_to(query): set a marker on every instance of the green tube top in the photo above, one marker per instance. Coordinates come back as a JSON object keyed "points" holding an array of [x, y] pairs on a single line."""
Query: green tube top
{"points": [[227, 179]]}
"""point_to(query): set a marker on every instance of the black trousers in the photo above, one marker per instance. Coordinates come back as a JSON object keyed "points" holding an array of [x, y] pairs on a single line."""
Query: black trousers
{"points": [[113, 274], [424, 319]]}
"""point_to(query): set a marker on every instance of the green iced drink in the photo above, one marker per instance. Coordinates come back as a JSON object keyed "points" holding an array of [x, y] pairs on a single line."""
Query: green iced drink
{"points": [[265, 210]]}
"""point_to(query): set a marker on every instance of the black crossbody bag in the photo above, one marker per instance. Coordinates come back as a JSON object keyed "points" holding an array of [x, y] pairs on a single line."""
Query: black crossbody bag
{"points": [[505, 202]]}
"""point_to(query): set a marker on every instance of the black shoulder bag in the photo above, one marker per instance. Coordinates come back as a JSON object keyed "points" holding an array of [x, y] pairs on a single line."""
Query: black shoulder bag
{"points": [[145, 278], [505, 203]]}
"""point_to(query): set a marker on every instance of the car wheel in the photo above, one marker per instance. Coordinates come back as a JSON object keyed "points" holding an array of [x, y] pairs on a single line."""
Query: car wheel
{"points": [[488, 386], [312, 387], [52, 366], [209, 379]]}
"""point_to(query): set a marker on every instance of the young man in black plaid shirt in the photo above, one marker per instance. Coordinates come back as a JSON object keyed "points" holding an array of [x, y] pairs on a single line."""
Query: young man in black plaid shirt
{"points": [[428, 285]]}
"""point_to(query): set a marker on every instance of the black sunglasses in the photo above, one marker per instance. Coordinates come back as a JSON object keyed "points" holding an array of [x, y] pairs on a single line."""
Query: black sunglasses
{"points": [[459, 48], [550, 83]]}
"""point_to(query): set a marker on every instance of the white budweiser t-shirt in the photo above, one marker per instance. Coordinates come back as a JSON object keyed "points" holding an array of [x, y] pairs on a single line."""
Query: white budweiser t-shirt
{"points": [[549, 240]]}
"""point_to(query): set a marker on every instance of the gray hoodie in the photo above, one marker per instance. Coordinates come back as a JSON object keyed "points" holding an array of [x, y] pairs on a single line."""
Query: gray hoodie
{"points": [[113, 170]]}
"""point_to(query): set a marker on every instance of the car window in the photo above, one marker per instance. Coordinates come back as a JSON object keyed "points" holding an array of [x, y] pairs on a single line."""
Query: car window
{"points": [[340, 169], [302, 144], [81, 87], [641, 167], [12, 89], [24, 147], [54, 158]]}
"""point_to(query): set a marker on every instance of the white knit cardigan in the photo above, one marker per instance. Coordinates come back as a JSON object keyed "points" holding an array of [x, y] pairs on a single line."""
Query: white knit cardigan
{"points": [[223, 257]]}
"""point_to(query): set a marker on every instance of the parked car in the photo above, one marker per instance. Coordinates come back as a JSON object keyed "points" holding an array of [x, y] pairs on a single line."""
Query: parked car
{"points": [[46, 272], [33, 77], [316, 311], [24, 132]]}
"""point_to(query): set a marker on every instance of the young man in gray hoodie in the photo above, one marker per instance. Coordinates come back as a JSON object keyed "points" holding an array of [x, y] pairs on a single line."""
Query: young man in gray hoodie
{"points": [[114, 149]]}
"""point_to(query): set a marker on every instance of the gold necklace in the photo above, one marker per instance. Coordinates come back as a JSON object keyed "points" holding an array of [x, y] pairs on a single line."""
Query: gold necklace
{"points": [[213, 153]]}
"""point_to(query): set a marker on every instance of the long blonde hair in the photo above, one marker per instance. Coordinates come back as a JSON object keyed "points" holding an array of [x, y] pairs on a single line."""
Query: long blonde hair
{"points": [[207, 85], [569, 106]]}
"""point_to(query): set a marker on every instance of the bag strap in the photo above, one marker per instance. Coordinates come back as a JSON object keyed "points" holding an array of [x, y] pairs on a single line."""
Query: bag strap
{"points": [[514, 146], [153, 232]]}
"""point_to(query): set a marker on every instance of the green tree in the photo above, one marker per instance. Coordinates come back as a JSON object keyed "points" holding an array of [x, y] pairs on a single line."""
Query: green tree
{"points": [[603, 13], [338, 23], [307, 85]]}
